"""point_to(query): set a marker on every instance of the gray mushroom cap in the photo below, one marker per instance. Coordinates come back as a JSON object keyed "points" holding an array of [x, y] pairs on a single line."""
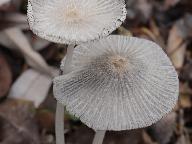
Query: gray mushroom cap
{"points": [[75, 21], [118, 83]]}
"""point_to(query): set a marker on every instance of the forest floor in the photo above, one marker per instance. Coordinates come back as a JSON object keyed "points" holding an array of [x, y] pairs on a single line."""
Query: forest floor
{"points": [[27, 106]]}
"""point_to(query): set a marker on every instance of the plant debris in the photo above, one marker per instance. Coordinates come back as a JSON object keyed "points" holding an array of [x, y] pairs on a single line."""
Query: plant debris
{"points": [[29, 63]]}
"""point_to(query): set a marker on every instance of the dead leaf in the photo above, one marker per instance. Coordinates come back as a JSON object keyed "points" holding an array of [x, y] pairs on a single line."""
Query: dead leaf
{"points": [[188, 24], [170, 3], [12, 19], [185, 96], [5, 6], [138, 11], [17, 3], [163, 130], [183, 140], [37, 43], [176, 47], [2, 2], [147, 139], [158, 37], [124, 137], [17, 123], [46, 120], [145, 7], [32, 86], [185, 101], [5, 41], [153, 34], [149, 33], [33, 58], [184, 89], [5, 76], [84, 135], [123, 31]]}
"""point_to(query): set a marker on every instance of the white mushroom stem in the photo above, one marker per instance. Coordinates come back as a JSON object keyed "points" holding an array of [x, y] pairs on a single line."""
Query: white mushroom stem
{"points": [[99, 137], [59, 120], [59, 124]]}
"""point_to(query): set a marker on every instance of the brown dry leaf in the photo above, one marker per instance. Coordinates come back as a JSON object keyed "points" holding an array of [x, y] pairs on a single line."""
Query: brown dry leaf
{"points": [[6, 6], [17, 3], [186, 75], [10, 5], [149, 33], [17, 123], [163, 130], [182, 132], [2, 2], [32, 86], [155, 29], [84, 135], [153, 34], [46, 120], [185, 101], [185, 96], [13, 19], [123, 31], [184, 89], [5, 76], [176, 47], [33, 58], [147, 139], [37, 43], [145, 7], [5, 41], [170, 3], [188, 24], [183, 139], [124, 137]]}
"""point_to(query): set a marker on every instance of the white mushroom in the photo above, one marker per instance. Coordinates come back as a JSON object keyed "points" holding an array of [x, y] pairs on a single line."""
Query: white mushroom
{"points": [[118, 83], [75, 21]]}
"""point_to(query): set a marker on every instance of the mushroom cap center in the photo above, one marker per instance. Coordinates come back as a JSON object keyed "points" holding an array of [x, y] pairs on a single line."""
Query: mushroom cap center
{"points": [[73, 16], [119, 62]]}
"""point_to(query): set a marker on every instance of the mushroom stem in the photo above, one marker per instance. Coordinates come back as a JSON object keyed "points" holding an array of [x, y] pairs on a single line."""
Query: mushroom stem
{"points": [[59, 124], [99, 137], [59, 120]]}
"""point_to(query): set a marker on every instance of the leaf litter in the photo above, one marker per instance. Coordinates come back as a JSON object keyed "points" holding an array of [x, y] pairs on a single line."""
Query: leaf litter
{"points": [[26, 99]]}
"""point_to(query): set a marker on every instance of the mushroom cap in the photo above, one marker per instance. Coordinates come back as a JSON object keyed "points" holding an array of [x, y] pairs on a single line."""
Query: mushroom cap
{"points": [[118, 83], [75, 21]]}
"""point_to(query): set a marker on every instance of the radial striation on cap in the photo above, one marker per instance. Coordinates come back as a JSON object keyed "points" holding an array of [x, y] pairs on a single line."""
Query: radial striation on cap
{"points": [[118, 83], [75, 21]]}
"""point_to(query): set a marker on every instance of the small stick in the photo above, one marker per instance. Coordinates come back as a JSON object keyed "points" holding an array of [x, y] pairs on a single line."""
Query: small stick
{"points": [[59, 120], [99, 137]]}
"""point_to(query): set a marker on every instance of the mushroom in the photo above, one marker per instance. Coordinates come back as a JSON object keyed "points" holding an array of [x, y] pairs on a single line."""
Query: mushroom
{"points": [[118, 83], [73, 22]]}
